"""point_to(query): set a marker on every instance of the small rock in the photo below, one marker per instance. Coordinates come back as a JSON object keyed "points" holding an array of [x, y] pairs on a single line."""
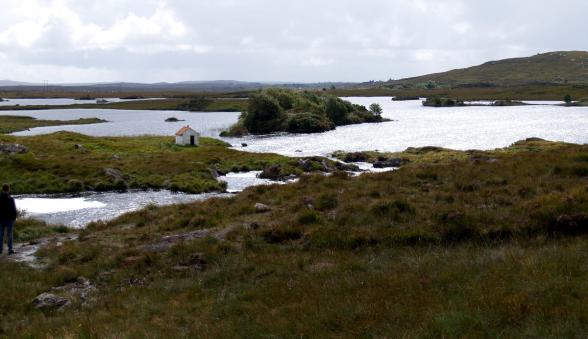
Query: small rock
{"points": [[13, 149], [272, 172], [341, 166], [298, 151], [79, 146], [244, 145], [262, 208], [355, 157], [116, 157], [388, 163], [49, 301], [132, 260], [115, 174]]}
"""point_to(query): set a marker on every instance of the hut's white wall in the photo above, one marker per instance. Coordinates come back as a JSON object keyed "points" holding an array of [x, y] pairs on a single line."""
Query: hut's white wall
{"points": [[185, 139]]}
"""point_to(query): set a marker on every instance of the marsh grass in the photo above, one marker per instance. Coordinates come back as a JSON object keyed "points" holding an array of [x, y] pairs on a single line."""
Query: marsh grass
{"points": [[474, 248], [70, 162]]}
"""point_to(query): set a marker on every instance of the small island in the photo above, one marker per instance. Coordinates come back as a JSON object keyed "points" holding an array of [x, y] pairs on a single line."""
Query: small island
{"points": [[451, 102], [281, 110], [173, 119], [443, 102]]}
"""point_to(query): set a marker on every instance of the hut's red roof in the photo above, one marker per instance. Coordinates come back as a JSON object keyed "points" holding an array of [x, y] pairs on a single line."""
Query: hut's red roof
{"points": [[183, 131]]}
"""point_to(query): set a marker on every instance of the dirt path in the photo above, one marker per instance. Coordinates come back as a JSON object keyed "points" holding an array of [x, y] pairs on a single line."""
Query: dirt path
{"points": [[25, 252]]}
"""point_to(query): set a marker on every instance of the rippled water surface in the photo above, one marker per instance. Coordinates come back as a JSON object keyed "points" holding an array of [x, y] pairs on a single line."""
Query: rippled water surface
{"points": [[476, 127]]}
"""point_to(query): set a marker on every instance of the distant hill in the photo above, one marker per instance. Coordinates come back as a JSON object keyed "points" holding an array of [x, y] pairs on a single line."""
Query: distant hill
{"points": [[10, 83], [196, 86], [548, 68]]}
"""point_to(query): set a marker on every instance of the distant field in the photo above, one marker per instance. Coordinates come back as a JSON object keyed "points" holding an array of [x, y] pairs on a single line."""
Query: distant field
{"points": [[173, 104], [530, 92]]}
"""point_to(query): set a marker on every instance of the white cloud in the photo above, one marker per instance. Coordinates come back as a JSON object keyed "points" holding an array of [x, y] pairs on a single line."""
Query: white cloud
{"points": [[322, 40]]}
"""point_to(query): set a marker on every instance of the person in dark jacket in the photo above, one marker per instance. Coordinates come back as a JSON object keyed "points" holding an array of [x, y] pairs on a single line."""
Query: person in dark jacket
{"points": [[7, 217]]}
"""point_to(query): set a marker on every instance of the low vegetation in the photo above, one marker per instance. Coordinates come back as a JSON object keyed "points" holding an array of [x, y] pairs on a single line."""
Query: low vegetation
{"points": [[11, 124], [481, 244], [442, 102], [280, 110], [66, 162]]}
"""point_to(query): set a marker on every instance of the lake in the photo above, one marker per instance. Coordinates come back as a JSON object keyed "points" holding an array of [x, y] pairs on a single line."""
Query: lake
{"points": [[129, 122], [462, 128], [475, 127]]}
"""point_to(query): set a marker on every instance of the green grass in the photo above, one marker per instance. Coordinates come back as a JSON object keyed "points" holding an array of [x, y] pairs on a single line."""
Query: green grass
{"points": [[444, 247], [67, 162], [11, 124], [522, 92], [70, 162]]}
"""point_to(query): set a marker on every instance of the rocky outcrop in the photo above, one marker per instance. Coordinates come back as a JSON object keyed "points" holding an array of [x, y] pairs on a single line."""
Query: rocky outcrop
{"points": [[388, 163], [114, 174], [356, 157], [341, 166], [79, 292], [50, 301], [169, 241], [13, 149]]}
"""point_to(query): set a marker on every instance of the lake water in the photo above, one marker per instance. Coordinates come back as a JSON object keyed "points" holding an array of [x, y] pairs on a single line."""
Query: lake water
{"points": [[129, 122]]}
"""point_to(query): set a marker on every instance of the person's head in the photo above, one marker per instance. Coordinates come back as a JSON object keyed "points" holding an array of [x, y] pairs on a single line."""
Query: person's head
{"points": [[6, 188]]}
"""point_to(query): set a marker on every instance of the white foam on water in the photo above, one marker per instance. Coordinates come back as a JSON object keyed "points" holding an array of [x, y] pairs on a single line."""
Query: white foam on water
{"points": [[45, 205]]}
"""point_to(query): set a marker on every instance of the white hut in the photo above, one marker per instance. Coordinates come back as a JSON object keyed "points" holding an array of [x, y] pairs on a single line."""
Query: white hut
{"points": [[187, 136]]}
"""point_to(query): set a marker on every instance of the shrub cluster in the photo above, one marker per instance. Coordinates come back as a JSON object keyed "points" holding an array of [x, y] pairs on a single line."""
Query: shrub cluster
{"points": [[281, 110]]}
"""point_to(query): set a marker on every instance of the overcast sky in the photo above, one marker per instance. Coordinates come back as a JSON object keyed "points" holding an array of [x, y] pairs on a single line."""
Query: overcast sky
{"points": [[274, 40]]}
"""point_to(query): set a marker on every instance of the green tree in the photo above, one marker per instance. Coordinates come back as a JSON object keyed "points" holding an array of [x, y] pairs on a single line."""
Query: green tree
{"points": [[568, 99], [264, 112], [336, 110], [376, 109]]}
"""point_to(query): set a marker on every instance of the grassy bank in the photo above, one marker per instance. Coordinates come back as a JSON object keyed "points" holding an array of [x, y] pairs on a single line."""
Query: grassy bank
{"points": [[70, 162], [66, 162], [11, 124], [478, 244]]}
